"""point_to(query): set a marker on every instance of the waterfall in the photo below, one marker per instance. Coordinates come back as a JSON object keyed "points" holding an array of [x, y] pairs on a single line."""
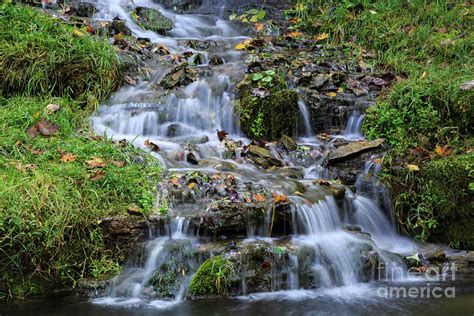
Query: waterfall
{"points": [[353, 128], [320, 252]]}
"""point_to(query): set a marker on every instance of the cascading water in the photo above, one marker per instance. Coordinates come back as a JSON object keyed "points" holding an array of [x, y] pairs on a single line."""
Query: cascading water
{"points": [[353, 130], [328, 253]]}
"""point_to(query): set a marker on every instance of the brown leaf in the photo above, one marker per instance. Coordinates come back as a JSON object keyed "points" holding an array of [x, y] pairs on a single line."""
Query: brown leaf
{"points": [[221, 135], [51, 108], [47, 128], [96, 162], [119, 164], [443, 151], [35, 151], [294, 34], [152, 146], [175, 181], [67, 157], [97, 175], [322, 182], [32, 131], [24, 167]]}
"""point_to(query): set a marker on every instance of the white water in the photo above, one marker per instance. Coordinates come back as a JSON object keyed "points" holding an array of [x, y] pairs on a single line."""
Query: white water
{"points": [[353, 130], [193, 114]]}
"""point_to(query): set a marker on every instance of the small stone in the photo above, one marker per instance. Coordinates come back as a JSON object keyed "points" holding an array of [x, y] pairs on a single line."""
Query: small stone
{"points": [[288, 142], [216, 60]]}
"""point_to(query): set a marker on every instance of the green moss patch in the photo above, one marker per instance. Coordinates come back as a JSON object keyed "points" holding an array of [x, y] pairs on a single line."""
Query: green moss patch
{"points": [[267, 108], [212, 278]]}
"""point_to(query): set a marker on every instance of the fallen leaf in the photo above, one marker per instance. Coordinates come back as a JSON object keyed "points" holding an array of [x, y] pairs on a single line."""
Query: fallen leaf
{"points": [[294, 34], [192, 185], [443, 151], [77, 32], [258, 198], [47, 128], [221, 135], [322, 182], [321, 37], [35, 151], [243, 45], [299, 193], [413, 168], [67, 157], [97, 175], [152, 146], [96, 162], [259, 26], [174, 181], [119, 164], [51, 108], [279, 198], [331, 94], [134, 210], [32, 132], [24, 167], [294, 20]]}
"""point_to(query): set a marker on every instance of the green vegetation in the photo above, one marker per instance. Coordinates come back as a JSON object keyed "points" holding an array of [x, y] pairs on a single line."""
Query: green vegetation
{"points": [[57, 178], [212, 277], [431, 44], [267, 108], [43, 56]]}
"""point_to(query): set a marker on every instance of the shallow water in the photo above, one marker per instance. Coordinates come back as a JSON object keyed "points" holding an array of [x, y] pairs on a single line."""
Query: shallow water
{"points": [[350, 300]]}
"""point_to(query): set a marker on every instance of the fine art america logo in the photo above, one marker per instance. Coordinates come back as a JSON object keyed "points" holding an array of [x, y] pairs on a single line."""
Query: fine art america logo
{"points": [[426, 282]]}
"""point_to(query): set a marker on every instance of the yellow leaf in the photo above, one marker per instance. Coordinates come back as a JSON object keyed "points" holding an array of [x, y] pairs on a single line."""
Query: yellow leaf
{"points": [[299, 193], [78, 32], [279, 198], [294, 34], [192, 185], [244, 45], [321, 37], [413, 168], [96, 162], [331, 94]]}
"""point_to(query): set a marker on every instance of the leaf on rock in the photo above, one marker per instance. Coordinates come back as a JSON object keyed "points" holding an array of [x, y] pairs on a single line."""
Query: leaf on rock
{"points": [[279, 198], [244, 45]]}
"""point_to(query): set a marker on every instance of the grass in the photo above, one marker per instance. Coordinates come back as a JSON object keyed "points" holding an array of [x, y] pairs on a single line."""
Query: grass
{"points": [[51, 205], [431, 45], [44, 56]]}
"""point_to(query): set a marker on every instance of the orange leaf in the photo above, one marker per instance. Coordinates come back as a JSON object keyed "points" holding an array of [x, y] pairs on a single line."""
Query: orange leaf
{"points": [[67, 157], [279, 198], [119, 164], [258, 198], [259, 26], [443, 151], [321, 37], [294, 34]]}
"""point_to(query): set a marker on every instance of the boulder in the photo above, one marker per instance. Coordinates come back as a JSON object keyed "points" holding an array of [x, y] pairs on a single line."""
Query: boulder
{"points": [[82, 9], [288, 142], [152, 19]]}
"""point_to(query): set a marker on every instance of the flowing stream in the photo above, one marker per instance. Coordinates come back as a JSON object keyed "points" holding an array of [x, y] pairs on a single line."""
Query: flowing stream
{"points": [[192, 115]]}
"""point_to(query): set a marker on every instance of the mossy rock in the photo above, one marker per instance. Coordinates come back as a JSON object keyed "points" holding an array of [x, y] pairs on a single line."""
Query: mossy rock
{"points": [[212, 278], [268, 117], [153, 20]]}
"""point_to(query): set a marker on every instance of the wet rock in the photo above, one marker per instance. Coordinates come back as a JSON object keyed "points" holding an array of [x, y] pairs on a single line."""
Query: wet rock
{"points": [[119, 27], [291, 172], [173, 130], [82, 9], [153, 20], [179, 76], [216, 60], [263, 157], [92, 288], [353, 149], [180, 5], [288, 142], [434, 256]]}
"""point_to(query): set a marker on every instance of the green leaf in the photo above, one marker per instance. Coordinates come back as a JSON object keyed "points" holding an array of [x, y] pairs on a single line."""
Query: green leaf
{"points": [[270, 72], [252, 11], [267, 79], [257, 77], [232, 17], [261, 15]]}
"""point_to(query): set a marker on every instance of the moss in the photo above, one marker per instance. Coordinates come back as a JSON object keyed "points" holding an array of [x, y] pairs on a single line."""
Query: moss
{"points": [[40, 55], [268, 117], [438, 202], [212, 278], [151, 19]]}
